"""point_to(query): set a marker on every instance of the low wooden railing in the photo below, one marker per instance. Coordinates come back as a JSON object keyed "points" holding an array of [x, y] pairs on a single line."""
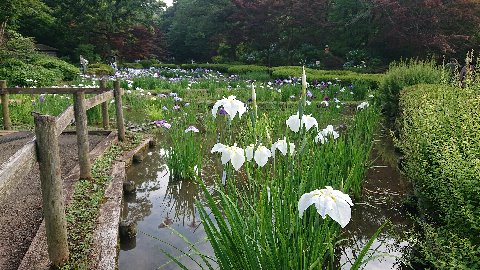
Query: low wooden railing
{"points": [[47, 130]]}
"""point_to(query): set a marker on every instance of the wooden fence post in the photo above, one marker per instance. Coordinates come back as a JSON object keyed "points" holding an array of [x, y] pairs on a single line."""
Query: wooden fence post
{"points": [[106, 124], [52, 188], [7, 123], [117, 92], [82, 134]]}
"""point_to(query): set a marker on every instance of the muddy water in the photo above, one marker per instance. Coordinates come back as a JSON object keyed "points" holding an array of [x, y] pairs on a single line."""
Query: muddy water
{"points": [[383, 195], [159, 202]]}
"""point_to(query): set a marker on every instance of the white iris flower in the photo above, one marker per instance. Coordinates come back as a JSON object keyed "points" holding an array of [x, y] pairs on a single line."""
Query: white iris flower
{"points": [[231, 105], [328, 202], [294, 123], [281, 145], [234, 154], [261, 156], [363, 105], [323, 135]]}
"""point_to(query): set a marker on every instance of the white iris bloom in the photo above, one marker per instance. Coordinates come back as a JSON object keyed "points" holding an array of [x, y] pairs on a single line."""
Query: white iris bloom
{"points": [[363, 105], [249, 151], [294, 123], [231, 105], [323, 135], [234, 154], [261, 156], [328, 202], [281, 145]]}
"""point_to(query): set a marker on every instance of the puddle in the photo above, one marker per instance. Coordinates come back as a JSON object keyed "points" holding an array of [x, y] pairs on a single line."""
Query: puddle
{"points": [[159, 202]]}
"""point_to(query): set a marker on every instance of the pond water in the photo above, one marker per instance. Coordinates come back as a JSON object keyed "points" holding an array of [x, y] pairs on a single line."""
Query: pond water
{"points": [[159, 202], [384, 192]]}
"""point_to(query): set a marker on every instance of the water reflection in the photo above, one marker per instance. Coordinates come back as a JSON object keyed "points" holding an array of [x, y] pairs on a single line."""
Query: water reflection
{"points": [[383, 193], [162, 208]]}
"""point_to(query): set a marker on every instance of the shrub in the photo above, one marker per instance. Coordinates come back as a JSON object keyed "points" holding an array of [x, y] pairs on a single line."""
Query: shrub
{"points": [[100, 69], [218, 67], [19, 73], [243, 69], [131, 65], [69, 72], [402, 74], [440, 141]]}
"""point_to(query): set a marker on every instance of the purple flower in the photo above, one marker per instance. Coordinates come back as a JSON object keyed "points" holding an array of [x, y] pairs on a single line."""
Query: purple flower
{"points": [[191, 129], [162, 123], [222, 111], [326, 98], [176, 107], [159, 122], [42, 98], [173, 94], [165, 108], [177, 98], [309, 94]]}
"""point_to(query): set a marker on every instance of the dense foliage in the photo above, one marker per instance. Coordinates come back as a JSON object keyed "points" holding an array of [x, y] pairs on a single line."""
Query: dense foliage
{"points": [[440, 142], [21, 65], [352, 34]]}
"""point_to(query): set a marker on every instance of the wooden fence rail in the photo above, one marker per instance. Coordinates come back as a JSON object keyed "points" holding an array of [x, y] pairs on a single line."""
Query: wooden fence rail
{"points": [[47, 130]]}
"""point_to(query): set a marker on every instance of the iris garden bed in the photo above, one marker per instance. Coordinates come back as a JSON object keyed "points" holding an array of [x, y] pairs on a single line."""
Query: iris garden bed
{"points": [[281, 149]]}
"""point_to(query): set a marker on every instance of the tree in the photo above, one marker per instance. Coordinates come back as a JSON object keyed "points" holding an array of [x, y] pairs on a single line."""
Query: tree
{"points": [[195, 28], [413, 28], [11, 10], [83, 23]]}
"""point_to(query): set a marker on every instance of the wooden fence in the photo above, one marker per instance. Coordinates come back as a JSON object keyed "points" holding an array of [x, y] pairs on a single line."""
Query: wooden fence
{"points": [[47, 130]]}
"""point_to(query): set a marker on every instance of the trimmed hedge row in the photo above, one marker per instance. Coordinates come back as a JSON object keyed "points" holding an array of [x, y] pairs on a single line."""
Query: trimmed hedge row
{"points": [[403, 74], [345, 76], [440, 140]]}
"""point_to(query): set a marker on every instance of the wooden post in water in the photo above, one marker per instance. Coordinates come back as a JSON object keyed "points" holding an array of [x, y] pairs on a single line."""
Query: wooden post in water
{"points": [[117, 92], [7, 123], [106, 124], [82, 134], [52, 189]]}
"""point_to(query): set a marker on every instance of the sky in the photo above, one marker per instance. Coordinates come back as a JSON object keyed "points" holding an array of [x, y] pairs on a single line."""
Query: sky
{"points": [[168, 2]]}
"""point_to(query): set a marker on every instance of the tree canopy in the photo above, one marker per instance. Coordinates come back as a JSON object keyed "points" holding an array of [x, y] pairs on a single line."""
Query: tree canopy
{"points": [[271, 32]]}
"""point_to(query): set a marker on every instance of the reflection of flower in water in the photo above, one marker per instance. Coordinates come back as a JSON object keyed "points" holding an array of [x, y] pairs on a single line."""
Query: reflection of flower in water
{"points": [[180, 197]]}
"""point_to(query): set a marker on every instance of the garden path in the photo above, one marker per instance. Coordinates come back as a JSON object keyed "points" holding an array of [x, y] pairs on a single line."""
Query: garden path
{"points": [[21, 205]]}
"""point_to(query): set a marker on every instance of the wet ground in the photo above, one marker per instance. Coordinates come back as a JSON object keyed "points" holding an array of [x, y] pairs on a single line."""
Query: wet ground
{"points": [[160, 202]]}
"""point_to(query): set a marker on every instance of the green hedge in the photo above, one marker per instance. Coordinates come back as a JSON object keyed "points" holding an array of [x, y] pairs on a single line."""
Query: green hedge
{"points": [[402, 74], [219, 67], [344, 76], [243, 69], [147, 64], [100, 69], [440, 140]]}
